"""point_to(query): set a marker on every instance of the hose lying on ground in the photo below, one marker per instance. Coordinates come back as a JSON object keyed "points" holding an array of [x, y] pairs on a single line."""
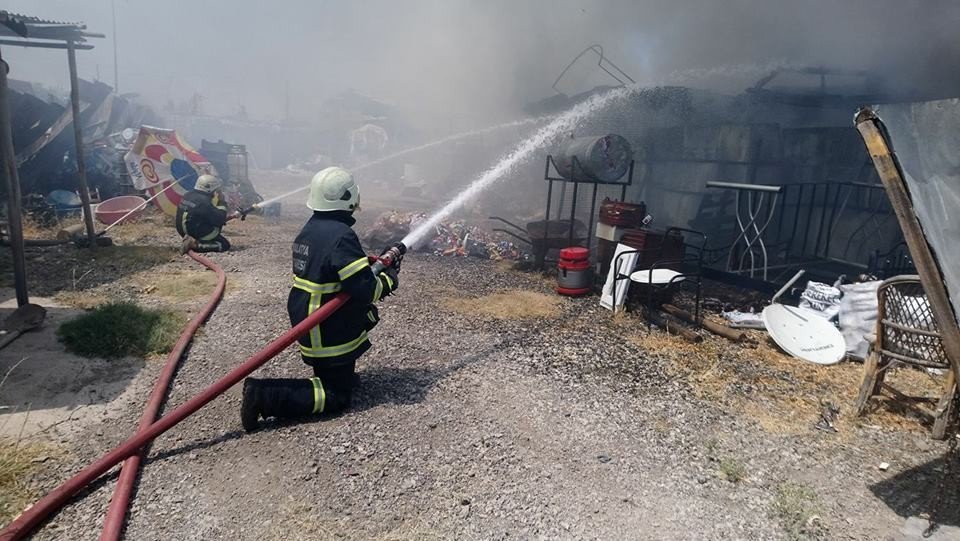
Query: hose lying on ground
{"points": [[117, 512], [58, 497]]}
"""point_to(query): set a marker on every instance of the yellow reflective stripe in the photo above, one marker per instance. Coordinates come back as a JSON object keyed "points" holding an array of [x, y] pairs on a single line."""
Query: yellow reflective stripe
{"points": [[353, 268], [211, 236], [315, 301], [313, 287], [378, 291], [183, 222], [334, 351], [319, 395], [389, 280], [371, 318]]}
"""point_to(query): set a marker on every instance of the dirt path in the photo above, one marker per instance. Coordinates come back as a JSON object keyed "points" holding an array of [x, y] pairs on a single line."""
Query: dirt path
{"points": [[466, 427]]}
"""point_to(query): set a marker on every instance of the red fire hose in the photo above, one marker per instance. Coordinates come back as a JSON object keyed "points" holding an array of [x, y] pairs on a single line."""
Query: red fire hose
{"points": [[58, 497], [33, 516], [117, 513]]}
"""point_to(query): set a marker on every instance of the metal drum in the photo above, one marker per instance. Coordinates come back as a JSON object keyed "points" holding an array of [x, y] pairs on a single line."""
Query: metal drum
{"points": [[604, 158]]}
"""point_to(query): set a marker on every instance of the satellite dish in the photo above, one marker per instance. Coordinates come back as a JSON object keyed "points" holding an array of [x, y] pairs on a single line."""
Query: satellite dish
{"points": [[804, 334]]}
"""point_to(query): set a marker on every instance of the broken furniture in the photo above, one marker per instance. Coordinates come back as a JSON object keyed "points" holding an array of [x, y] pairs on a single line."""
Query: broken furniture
{"points": [[616, 218], [906, 333], [754, 213], [678, 262], [827, 228], [543, 235]]}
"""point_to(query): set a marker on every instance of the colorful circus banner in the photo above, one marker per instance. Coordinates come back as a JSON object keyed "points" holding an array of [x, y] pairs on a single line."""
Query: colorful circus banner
{"points": [[159, 158]]}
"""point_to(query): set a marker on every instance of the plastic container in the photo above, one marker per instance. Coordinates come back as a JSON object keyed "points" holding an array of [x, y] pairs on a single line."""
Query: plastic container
{"points": [[574, 275], [111, 210]]}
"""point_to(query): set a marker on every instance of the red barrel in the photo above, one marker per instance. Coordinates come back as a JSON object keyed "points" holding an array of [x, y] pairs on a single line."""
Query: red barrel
{"points": [[573, 271]]}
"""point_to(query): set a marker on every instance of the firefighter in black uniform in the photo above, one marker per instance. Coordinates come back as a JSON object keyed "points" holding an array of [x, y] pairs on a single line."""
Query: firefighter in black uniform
{"points": [[327, 259], [201, 216]]}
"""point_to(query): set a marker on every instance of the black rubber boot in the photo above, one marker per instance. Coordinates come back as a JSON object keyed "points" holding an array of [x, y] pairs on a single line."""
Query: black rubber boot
{"points": [[249, 409], [282, 398]]}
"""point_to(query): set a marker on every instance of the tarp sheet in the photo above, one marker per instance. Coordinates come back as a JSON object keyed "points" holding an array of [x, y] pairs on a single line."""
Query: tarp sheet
{"points": [[926, 139]]}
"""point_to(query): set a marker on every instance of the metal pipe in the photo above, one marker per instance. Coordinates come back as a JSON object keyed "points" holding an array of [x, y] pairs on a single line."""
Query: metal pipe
{"points": [[573, 211], [78, 137], [593, 209], [787, 286], [117, 512], [12, 180]]}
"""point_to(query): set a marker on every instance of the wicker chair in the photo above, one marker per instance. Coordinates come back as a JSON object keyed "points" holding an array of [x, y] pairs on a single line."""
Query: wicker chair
{"points": [[906, 333]]}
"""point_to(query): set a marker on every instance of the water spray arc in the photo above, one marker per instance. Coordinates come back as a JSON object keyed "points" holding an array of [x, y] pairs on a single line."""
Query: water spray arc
{"points": [[413, 150], [57, 498]]}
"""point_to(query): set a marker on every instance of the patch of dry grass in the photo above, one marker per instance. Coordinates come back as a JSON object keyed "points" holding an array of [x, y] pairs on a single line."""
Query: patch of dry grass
{"points": [[34, 230], [147, 227], [513, 304], [179, 286], [82, 299], [783, 394], [17, 463]]}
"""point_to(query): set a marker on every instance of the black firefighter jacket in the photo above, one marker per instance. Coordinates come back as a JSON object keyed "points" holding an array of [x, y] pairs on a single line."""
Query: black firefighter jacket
{"points": [[199, 217], [328, 259]]}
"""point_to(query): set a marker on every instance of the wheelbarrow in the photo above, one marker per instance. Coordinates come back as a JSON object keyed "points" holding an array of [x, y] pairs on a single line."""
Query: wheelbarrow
{"points": [[545, 235]]}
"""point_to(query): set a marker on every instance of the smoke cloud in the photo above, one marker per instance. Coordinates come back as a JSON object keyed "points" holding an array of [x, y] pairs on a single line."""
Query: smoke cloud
{"points": [[455, 64]]}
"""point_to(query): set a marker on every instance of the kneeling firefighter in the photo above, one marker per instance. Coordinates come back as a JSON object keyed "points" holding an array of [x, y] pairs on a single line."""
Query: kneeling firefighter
{"points": [[201, 216], [327, 259]]}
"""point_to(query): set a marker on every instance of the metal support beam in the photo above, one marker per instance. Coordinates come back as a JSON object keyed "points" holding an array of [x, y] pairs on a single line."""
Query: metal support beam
{"points": [[78, 136], [12, 181], [44, 44]]}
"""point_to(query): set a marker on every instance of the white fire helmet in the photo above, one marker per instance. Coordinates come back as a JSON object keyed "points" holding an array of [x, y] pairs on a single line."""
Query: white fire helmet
{"points": [[208, 184], [333, 189]]}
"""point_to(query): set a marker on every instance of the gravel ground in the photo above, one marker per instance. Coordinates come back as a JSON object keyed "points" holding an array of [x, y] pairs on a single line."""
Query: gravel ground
{"points": [[471, 428]]}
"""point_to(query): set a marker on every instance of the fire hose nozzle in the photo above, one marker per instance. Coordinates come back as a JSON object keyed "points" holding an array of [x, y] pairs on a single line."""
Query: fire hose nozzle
{"points": [[243, 212], [391, 257]]}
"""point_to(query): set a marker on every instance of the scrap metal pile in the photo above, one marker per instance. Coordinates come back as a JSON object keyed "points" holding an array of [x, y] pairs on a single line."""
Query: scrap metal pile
{"points": [[449, 239]]}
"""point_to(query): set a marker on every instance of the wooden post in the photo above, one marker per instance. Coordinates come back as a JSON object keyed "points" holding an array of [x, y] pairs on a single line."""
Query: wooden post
{"points": [[672, 328], [869, 126], [11, 179], [715, 328], [78, 136]]}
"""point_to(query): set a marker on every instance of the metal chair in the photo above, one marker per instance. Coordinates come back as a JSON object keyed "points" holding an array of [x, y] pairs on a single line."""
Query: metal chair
{"points": [[906, 333], [668, 271]]}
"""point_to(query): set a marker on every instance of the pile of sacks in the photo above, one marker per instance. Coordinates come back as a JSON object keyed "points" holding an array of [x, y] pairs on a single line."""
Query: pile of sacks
{"points": [[450, 238]]}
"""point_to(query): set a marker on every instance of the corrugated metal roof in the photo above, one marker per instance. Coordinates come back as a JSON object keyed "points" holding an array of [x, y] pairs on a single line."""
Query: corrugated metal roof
{"points": [[25, 26], [27, 19]]}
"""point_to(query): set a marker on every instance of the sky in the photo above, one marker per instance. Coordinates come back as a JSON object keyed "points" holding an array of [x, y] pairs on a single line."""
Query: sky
{"points": [[477, 59]]}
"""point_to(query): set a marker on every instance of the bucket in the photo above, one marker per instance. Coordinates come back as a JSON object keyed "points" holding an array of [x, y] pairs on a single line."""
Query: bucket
{"points": [[573, 272], [112, 210]]}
